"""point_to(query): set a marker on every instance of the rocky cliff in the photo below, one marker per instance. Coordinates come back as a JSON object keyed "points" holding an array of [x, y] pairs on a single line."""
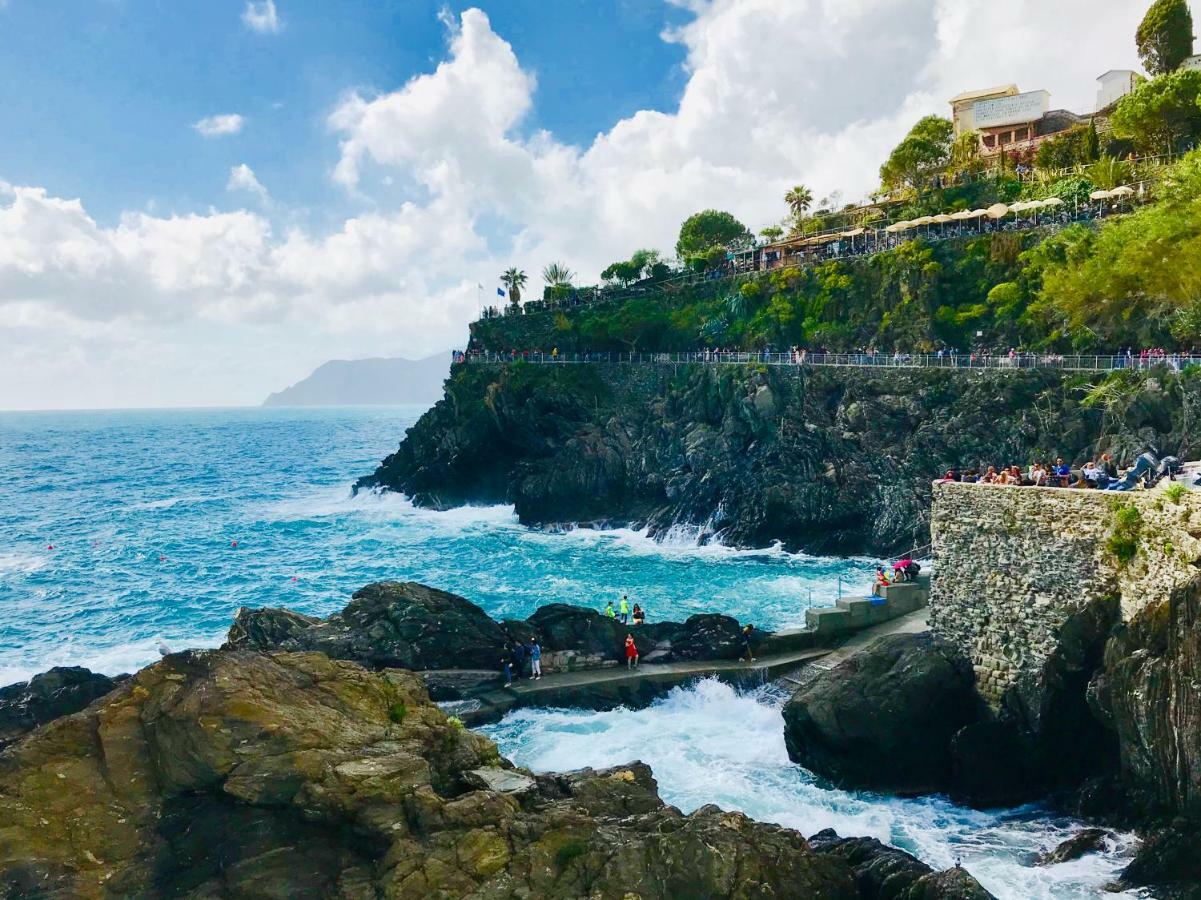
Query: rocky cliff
{"points": [[820, 459], [238, 774]]}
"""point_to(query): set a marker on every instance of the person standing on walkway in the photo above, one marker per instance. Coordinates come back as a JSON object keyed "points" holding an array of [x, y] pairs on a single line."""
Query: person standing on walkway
{"points": [[631, 652], [747, 653], [519, 656], [506, 665], [535, 660], [624, 609]]}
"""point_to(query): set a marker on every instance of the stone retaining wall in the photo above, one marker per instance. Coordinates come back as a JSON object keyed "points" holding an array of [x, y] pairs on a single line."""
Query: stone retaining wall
{"points": [[1014, 564]]}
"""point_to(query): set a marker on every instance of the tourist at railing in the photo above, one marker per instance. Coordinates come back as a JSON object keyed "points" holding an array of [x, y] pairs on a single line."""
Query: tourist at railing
{"points": [[1148, 469]]}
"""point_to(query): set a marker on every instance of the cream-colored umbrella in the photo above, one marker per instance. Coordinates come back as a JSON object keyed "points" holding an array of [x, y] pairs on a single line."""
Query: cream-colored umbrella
{"points": [[963, 214], [943, 218], [1099, 195], [1052, 201], [996, 211], [977, 213], [854, 232], [1123, 191], [924, 220], [898, 226]]}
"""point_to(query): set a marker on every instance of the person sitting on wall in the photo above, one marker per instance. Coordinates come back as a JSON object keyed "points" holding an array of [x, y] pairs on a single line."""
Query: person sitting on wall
{"points": [[948, 478], [1062, 473], [1090, 475], [881, 582], [1143, 467], [1037, 475]]}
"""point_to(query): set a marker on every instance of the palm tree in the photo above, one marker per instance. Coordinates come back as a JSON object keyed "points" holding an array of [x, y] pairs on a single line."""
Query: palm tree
{"points": [[557, 275], [514, 279], [799, 199]]}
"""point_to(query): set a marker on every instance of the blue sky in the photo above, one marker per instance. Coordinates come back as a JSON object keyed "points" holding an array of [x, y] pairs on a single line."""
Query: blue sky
{"points": [[98, 95], [387, 157]]}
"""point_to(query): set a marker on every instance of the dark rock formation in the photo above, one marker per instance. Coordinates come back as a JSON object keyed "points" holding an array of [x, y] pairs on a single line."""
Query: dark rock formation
{"points": [[244, 774], [884, 718], [822, 460], [409, 625], [1170, 861], [388, 624], [45, 697], [886, 873], [1089, 840]]}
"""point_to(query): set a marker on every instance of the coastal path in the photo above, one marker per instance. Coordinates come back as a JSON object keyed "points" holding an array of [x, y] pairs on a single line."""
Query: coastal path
{"points": [[613, 686], [960, 362]]}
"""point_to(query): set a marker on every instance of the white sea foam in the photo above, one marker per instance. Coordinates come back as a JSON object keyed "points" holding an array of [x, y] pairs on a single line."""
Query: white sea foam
{"points": [[21, 563], [384, 506], [108, 660], [171, 502], [708, 744]]}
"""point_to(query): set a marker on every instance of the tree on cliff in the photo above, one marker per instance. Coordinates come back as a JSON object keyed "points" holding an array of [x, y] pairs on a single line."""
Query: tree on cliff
{"points": [[927, 146], [1161, 114], [705, 235], [643, 264], [1165, 36], [771, 233], [514, 279], [799, 199]]}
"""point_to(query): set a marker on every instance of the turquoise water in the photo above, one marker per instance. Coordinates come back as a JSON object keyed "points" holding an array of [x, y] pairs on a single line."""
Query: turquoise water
{"points": [[118, 532], [142, 510]]}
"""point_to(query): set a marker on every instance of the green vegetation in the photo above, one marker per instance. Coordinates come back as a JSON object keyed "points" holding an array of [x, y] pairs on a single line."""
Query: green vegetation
{"points": [[927, 146], [1161, 115], [514, 280], [705, 235], [1165, 36], [1122, 542], [1175, 491], [397, 712], [643, 264], [456, 723], [1076, 146]]}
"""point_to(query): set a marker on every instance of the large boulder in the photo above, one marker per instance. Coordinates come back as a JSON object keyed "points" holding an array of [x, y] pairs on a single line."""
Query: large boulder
{"points": [[266, 628], [707, 636], [45, 697], [387, 624], [245, 774], [884, 718], [887, 873]]}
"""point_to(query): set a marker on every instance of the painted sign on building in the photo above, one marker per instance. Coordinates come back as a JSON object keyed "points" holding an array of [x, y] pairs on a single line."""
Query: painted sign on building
{"points": [[1015, 110]]}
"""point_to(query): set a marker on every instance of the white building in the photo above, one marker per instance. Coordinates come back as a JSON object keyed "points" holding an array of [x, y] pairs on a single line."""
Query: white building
{"points": [[963, 106], [1193, 62], [1115, 84]]}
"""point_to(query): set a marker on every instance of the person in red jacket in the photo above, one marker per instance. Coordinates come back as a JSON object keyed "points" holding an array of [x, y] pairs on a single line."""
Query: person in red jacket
{"points": [[631, 652]]}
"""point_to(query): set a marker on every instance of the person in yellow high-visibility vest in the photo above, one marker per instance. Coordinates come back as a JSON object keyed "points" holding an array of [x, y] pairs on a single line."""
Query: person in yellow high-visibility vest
{"points": [[624, 609]]}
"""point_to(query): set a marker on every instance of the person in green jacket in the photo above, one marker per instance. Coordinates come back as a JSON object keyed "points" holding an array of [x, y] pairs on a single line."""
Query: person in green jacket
{"points": [[624, 609], [609, 611]]}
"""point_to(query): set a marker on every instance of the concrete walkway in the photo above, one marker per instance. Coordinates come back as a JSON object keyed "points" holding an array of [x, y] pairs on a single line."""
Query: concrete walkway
{"points": [[608, 688]]}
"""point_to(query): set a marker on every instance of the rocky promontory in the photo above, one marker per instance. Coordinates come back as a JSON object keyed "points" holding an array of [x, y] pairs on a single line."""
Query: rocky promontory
{"points": [[824, 460], [237, 773]]}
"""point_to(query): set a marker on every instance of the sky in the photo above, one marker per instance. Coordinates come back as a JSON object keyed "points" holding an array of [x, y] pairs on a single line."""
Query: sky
{"points": [[203, 200]]}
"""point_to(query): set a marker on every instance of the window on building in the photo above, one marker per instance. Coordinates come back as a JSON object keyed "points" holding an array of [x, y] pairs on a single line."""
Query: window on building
{"points": [[990, 141]]}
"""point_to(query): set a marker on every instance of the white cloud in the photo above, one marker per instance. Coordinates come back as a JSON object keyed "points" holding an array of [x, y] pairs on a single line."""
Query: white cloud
{"points": [[242, 178], [261, 17], [219, 126], [226, 306]]}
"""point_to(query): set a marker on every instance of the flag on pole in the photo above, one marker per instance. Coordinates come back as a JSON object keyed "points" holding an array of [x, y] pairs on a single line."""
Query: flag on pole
{"points": [[500, 292]]}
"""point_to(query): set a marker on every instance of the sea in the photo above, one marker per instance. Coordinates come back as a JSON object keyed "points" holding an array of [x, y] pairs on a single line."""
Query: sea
{"points": [[124, 532]]}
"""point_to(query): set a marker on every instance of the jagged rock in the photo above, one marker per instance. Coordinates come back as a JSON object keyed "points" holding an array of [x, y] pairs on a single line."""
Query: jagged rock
{"points": [[884, 718], [708, 636], [887, 873], [266, 628], [991, 766], [1170, 861], [1089, 840], [822, 460], [47, 696], [388, 624], [245, 774]]}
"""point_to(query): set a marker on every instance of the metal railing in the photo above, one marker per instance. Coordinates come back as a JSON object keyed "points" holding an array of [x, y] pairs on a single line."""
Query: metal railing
{"points": [[867, 360]]}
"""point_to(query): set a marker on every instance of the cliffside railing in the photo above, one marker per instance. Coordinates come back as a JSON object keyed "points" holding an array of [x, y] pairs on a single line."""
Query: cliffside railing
{"points": [[959, 361]]}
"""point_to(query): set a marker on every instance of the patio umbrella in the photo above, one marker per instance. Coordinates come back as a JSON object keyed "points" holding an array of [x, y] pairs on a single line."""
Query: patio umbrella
{"points": [[1099, 195], [1123, 191], [996, 211], [962, 215], [1053, 201], [943, 218], [898, 226]]}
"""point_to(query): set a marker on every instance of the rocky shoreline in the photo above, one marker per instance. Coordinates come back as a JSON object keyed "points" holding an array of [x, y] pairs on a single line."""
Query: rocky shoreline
{"points": [[309, 754], [821, 460], [246, 772]]}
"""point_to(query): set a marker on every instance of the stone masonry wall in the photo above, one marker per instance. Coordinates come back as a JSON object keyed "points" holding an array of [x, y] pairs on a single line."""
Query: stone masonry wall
{"points": [[1013, 564]]}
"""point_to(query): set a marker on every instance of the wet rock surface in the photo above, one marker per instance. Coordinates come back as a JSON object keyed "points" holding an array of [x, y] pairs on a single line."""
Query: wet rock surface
{"points": [[47, 696], [887, 873], [1090, 840], [884, 719], [239, 773]]}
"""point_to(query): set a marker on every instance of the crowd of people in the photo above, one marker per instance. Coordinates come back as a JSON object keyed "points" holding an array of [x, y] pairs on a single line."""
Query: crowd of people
{"points": [[1096, 474]]}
